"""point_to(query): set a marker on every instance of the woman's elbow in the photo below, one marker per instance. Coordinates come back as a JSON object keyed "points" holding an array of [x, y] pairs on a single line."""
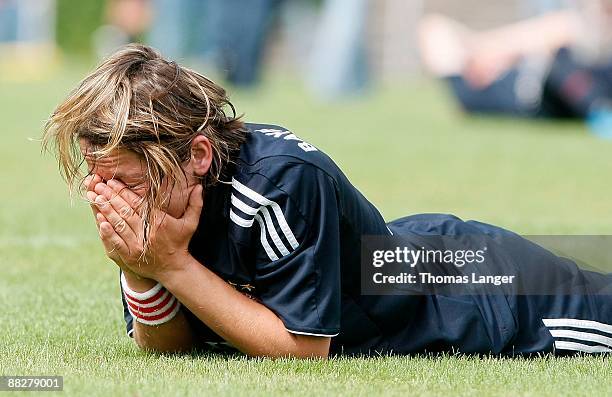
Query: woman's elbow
{"points": [[301, 347]]}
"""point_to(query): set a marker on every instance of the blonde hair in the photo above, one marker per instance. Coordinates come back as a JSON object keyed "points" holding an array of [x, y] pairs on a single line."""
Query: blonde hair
{"points": [[139, 101]]}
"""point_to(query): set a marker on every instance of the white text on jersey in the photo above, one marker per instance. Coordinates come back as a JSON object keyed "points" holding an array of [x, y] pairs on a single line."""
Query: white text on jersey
{"points": [[288, 136]]}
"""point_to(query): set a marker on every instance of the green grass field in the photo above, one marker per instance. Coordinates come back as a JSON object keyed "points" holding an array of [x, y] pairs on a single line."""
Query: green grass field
{"points": [[405, 147]]}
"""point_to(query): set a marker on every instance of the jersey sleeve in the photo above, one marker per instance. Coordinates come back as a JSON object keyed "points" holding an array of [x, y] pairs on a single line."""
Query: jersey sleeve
{"points": [[294, 221]]}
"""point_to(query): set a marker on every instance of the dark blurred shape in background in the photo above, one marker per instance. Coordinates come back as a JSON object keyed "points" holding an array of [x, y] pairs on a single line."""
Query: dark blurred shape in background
{"points": [[339, 47], [232, 35], [229, 33], [557, 64]]}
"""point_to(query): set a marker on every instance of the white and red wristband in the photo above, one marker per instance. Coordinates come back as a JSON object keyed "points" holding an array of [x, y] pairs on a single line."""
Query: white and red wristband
{"points": [[153, 307]]}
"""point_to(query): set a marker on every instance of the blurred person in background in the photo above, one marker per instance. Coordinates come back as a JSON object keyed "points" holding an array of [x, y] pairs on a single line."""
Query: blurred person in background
{"points": [[338, 65], [240, 31], [132, 17], [232, 35], [175, 25], [127, 22], [558, 65]]}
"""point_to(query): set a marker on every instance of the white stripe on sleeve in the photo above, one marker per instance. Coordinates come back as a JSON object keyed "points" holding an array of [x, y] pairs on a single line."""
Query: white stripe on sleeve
{"points": [[581, 336], [242, 206], [564, 345], [574, 323], [272, 230], [240, 221], [264, 240], [280, 217]]}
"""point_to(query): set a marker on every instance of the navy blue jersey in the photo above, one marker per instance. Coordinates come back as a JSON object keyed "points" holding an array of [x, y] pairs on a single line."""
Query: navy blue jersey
{"points": [[286, 227], [286, 230]]}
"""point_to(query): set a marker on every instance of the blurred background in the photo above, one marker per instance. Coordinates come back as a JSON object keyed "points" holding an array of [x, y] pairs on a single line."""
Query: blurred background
{"points": [[425, 104], [338, 46]]}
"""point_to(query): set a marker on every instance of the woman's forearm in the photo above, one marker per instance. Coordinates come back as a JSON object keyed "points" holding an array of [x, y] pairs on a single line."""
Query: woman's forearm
{"points": [[174, 336], [243, 322]]}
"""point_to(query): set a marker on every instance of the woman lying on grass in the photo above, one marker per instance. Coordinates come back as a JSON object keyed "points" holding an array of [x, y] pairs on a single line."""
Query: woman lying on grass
{"points": [[226, 231]]}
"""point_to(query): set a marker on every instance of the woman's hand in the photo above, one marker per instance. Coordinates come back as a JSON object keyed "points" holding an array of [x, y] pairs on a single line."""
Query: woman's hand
{"points": [[135, 281], [122, 231]]}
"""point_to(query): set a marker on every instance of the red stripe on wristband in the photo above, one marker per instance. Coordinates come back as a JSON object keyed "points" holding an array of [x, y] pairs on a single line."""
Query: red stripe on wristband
{"points": [[155, 303], [148, 300], [159, 316], [151, 309]]}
